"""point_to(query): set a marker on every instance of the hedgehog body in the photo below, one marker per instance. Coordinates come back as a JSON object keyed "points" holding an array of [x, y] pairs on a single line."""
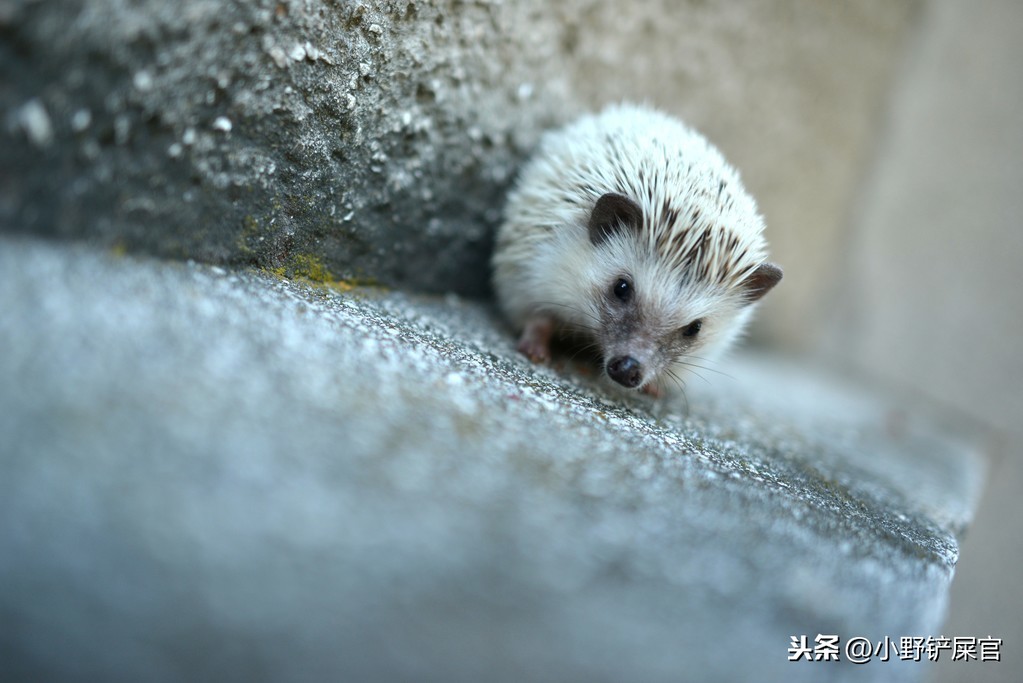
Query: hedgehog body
{"points": [[629, 228]]}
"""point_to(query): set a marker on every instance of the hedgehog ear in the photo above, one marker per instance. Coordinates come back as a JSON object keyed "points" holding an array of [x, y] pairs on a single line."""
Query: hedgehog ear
{"points": [[766, 276], [611, 212]]}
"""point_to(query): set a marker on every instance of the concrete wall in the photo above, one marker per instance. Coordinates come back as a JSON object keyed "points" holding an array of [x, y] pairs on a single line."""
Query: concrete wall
{"points": [[377, 140]]}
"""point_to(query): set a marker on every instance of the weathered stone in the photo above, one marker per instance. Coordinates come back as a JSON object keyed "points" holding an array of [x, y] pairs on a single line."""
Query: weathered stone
{"points": [[379, 138], [211, 474]]}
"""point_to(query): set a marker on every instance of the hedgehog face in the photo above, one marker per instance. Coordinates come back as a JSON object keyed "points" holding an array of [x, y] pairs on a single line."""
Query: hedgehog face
{"points": [[655, 317], [640, 338], [650, 329]]}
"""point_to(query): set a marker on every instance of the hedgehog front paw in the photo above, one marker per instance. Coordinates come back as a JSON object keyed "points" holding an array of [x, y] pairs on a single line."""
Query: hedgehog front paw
{"points": [[535, 342]]}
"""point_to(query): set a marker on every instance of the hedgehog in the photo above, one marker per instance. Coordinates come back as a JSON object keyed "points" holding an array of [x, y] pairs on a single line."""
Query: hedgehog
{"points": [[629, 229]]}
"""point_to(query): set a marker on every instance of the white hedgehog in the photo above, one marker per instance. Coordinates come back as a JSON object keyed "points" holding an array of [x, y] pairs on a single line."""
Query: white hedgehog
{"points": [[630, 228]]}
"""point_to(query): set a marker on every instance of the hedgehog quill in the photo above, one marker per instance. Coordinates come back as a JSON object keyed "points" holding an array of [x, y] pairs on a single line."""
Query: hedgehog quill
{"points": [[630, 229]]}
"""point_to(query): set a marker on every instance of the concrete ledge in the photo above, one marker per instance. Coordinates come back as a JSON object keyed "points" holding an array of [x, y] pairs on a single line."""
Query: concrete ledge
{"points": [[211, 474]]}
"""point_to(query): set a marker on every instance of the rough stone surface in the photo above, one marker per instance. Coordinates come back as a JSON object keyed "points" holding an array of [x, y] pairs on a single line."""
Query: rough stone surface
{"points": [[376, 140], [212, 474]]}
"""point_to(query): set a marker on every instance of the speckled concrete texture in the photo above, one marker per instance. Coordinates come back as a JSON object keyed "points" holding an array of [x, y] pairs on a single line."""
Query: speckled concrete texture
{"points": [[377, 139], [212, 474]]}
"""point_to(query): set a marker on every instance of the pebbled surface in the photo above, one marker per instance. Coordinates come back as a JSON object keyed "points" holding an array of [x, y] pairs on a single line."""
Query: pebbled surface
{"points": [[214, 474]]}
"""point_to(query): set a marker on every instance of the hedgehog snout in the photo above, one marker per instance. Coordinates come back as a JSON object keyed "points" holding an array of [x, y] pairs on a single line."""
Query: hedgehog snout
{"points": [[625, 370]]}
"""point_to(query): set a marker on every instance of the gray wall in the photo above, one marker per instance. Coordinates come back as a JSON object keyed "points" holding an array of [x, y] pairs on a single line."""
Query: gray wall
{"points": [[376, 141]]}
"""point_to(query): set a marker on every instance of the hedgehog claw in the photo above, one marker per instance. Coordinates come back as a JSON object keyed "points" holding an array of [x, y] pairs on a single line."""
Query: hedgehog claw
{"points": [[653, 390], [535, 342]]}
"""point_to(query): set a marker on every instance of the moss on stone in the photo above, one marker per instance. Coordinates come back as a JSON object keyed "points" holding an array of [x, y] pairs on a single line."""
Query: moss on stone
{"points": [[311, 268]]}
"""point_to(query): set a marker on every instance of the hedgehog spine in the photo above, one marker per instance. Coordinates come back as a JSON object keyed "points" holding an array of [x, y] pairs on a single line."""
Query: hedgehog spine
{"points": [[631, 228]]}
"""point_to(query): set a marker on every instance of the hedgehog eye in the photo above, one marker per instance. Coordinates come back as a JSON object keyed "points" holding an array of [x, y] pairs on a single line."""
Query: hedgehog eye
{"points": [[692, 329], [622, 289]]}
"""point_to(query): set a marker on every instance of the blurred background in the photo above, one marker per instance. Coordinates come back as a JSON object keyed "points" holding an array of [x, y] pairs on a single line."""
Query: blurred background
{"points": [[928, 296]]}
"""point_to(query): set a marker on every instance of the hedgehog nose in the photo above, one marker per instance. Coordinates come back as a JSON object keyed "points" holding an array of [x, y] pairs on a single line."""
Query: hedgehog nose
{"points": [[625, 370]]}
